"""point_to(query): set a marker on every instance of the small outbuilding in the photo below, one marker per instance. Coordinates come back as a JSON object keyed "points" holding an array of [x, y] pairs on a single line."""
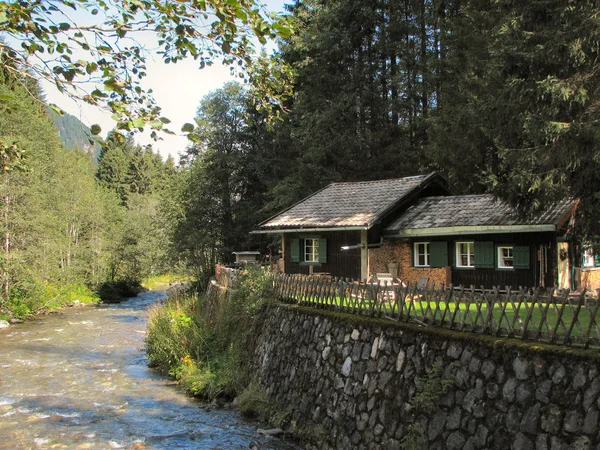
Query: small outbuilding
{"points": [[246, 257]]}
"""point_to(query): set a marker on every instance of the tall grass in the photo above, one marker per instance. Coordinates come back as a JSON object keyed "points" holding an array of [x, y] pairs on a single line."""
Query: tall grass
{"points": [[164, 280], [42, 297], [201, 342]]}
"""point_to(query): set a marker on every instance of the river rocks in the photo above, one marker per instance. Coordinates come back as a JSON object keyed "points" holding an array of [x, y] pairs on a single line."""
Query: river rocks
{"points": [[362, 387], [4, 324]]}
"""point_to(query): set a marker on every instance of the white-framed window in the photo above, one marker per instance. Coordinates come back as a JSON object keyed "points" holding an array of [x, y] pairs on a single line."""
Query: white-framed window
{"points": [[421, 254], [465, 254], [588, 258], [505, 258], [311, 250]]}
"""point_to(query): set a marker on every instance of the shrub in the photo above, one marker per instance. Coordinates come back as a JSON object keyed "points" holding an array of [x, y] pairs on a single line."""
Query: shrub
{"points": [[254, 402], [220, 377], [19, 307], [429, 391], [253, 291], [41, 297], [174, 334], [116, 291], [201, 343]]}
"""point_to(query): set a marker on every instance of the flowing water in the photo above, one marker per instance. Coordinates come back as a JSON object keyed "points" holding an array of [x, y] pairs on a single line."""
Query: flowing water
{"points": [[79, 380]]}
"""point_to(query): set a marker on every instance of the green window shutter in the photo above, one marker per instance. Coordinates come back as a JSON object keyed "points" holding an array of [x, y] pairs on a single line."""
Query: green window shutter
{"points": [[484, 255], [521, 257], [438, 254], [295, 250], [322, 251], [596, 257]]}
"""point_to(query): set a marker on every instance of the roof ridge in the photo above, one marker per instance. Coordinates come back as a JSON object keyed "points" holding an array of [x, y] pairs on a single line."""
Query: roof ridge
{"points": [[380, 181], [451, 197]]}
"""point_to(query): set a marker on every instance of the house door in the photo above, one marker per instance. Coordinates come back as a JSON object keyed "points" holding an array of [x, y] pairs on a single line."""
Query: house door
{"points": [[545, 266], [564, 269]]}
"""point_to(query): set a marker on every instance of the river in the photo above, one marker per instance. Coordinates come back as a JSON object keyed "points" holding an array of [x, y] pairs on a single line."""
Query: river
{"points": [[79, 380]]}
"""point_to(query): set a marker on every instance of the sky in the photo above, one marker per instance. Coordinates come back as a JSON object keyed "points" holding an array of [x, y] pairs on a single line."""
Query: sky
{"points": [[178, 89]]}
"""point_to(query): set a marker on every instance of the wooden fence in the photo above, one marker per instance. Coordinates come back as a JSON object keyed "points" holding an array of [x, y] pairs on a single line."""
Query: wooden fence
{"points": [[568, 319]]}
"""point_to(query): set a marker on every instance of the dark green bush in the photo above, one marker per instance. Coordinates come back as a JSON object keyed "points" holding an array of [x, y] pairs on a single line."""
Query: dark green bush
{"points": [[116, 291]]}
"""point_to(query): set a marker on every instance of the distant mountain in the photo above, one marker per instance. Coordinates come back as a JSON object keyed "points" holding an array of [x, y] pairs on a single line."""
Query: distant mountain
{"points": [[75, 134]]}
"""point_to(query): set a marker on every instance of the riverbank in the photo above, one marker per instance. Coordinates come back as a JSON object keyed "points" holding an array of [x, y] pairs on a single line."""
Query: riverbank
{"points": [[20, 308], [202, 342]]}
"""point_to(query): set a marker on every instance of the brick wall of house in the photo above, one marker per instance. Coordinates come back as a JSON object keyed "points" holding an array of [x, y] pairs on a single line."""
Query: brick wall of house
{"points": [[401, 252], [590, 279]]}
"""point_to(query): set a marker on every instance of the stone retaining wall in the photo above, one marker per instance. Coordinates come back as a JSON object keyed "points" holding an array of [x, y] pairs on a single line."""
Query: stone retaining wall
{"points": [[352, 383]]}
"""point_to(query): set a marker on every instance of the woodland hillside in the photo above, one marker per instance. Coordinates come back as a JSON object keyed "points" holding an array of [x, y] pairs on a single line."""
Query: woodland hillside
{"points": [[499, 97], [75, 134]]}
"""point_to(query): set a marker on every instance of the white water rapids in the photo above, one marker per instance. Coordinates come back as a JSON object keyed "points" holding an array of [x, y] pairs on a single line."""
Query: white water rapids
{"points": [[79, 380]]}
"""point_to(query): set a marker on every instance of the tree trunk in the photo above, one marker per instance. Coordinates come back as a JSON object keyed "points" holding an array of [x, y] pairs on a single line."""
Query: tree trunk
{"points": [[5, 275]]}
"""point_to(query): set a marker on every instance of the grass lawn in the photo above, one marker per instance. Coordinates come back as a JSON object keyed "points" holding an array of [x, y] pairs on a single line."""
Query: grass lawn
{"points": [[513, 316], [476, 315]]}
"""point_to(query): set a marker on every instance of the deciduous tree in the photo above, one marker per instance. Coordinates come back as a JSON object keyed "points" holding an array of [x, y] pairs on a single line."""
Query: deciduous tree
{"points": [[75, 44]]}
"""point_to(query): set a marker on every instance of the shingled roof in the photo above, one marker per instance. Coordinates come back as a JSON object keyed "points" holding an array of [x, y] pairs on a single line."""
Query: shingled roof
{"points": [[357, 205], [474, 213]]}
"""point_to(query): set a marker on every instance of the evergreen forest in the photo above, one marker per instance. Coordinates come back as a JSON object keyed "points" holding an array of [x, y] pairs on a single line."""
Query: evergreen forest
{"points": [[499, 96]]}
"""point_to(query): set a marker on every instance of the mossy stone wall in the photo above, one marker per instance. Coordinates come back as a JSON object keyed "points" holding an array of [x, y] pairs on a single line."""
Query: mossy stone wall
{"points": [[352, 383]]}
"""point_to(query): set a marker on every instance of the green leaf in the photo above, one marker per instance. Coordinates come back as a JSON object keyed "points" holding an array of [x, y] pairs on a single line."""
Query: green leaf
{"points": [[98, 93], [56, 109], [156, 124], [187, 128], [95, 129], [91, 67]]}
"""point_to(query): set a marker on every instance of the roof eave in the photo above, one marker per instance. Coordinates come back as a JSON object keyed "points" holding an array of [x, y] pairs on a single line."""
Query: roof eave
{"points": [[309, 230], [567, 215], [481, 229]]}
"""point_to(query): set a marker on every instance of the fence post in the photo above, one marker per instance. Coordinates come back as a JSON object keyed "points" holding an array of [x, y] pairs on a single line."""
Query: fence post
{"points": [[559, 318], [503, 311], [592, 310], [575, 315], [341, 294], [446, 297], [529, 309]]}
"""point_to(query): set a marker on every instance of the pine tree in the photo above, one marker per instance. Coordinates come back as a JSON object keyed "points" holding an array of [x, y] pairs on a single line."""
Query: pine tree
{"points": [[521, 114]]}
